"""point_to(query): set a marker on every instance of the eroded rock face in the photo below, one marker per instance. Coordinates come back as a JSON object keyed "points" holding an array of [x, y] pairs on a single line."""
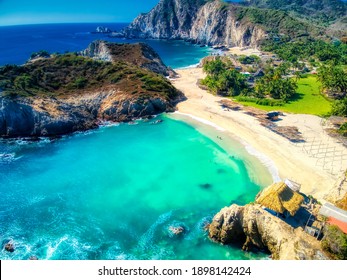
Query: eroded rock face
{"points": [[138, 54], [201, 22], [253, 226], [69, 93], [46, 117], [339, 190]]}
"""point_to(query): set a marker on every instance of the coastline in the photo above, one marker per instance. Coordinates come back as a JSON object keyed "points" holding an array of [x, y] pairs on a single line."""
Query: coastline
{"points": [[234, 147], [284, 155]]}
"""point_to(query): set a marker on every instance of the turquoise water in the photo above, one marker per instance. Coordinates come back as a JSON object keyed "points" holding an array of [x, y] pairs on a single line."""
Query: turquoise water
{"points": [[114, 192]]}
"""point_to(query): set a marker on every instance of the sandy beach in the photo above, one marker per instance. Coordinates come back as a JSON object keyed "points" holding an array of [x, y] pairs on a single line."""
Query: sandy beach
{"points": [[316, 164]]}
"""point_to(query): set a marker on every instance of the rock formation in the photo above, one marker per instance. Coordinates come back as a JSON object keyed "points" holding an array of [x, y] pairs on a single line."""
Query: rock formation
{"points": [[202, 22], [251, 226], [9, 247], [102, 29], [139, 54], [68, 93], [338, 194]]}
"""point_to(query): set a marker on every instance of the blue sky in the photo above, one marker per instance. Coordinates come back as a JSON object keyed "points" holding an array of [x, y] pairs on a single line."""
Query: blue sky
{"points": [[14, 12]]}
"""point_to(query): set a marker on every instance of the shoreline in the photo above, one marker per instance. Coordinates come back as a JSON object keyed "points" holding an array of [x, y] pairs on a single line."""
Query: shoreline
{"points": [[289, 158], [232, 146]]}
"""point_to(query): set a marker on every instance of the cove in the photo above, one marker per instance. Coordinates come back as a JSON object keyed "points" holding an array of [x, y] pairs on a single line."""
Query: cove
{"points": [[114, 193]]}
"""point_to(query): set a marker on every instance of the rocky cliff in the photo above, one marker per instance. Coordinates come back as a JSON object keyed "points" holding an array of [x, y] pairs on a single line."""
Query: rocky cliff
{"points": [[213, 22], [67, 93], [252, 226], [202, 22], [139, 54]]}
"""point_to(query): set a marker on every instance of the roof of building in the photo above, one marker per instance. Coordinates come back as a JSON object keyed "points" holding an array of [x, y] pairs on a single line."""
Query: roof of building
{"points": [[279, 197], [341, 225]]}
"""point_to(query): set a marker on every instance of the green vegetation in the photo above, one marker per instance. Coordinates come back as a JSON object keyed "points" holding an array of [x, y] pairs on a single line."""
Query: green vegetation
{"points": [[307, 100], [41, 53], [275, 21], [333, 78], [339, 108], [275, 86], [223, 79], [307, 50], [343, 129], [69, 74], [249, 59], [321, 11], [335, 242]]}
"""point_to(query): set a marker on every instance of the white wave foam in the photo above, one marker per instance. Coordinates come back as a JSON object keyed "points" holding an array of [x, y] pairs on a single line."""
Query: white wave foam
{"points": [[147, 238], [265, 160], [188, 67], [109, 124], [5, 157], [52, 248], [209, 123]]}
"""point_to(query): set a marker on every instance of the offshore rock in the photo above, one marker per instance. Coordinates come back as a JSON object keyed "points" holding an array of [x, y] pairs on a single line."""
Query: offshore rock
{"points": [[252, 226], [9, 247]]}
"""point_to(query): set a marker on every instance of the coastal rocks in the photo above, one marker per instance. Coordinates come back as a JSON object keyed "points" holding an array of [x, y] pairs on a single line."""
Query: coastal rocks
{"points": [[47, 117], [200, 22], [338, 194], [176, 230], [252, 226], [102, 29], [68, 93], [139, 54], [9, 247]]}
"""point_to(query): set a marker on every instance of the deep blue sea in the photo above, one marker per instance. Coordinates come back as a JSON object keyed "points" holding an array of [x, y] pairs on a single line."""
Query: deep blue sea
{"points": [[19, 42]]}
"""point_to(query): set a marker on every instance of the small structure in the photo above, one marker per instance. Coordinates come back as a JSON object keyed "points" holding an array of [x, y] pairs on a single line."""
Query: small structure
{"points": [[335, 215], [280, 198], [293, 185], [273, 115]]}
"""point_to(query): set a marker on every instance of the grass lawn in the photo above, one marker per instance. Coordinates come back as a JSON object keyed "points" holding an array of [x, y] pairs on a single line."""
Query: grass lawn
{"points": [[307, 101]]}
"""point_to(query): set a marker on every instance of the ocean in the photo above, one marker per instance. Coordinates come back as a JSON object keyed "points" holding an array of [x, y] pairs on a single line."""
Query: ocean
{"points": [[115, 192], [19, 42]]}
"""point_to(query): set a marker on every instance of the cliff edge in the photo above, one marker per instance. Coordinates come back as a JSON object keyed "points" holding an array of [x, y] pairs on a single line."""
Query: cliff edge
{"points": [[62, 94], [251, 226], [216, 23]]}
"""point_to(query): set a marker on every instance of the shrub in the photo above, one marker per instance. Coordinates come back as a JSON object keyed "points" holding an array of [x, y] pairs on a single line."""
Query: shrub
{"points": [[335, 242]]}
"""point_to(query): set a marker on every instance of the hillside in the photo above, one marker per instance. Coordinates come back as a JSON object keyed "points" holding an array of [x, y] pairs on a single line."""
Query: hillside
{"points": [[324, 11], [217, 23], [61, 94]]}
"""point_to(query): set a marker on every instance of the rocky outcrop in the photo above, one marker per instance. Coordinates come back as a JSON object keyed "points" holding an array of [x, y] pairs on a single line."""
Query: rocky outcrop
{"points": [[68, 93], [102, 29], [338, 193], [48, 117], [139, 54], [251, 226], [202, 22]]}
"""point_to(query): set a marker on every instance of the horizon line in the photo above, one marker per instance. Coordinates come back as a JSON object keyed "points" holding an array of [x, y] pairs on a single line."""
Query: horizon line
{"points": [[73, 22]]}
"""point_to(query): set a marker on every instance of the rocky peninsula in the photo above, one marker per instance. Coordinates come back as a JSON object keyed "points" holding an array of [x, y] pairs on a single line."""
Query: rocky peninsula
{"points": [[61, 94], [253, 226]]}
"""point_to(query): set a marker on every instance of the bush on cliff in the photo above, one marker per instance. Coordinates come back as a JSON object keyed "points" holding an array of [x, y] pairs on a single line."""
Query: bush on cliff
{"points": [[73, 74], [335, 242]]}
